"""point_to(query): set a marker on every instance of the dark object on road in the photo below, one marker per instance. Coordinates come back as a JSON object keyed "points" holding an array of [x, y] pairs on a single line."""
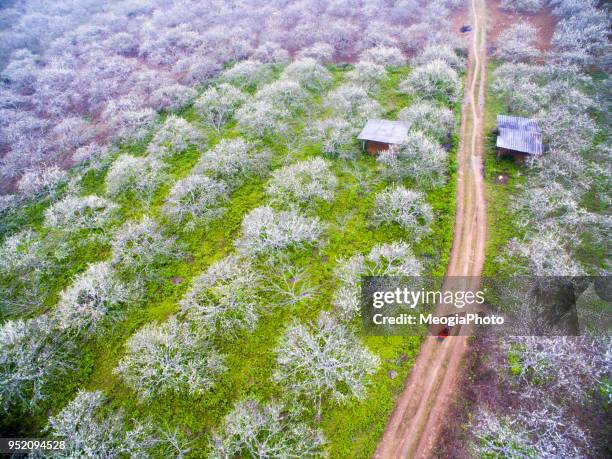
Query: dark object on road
{"points": [[444, 333], [465, 28]]}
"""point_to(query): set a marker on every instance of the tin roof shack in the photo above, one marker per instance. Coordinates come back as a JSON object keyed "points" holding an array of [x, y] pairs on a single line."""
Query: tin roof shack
{"points": [[379, 135], [518, 137]]}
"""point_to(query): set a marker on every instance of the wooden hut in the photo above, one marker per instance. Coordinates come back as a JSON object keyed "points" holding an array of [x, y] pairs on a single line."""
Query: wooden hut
{"points": [[518, 137], [379, 135]]}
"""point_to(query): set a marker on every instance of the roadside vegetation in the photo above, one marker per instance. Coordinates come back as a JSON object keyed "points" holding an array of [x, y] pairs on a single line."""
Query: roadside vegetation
{"points": [[534, 396]]}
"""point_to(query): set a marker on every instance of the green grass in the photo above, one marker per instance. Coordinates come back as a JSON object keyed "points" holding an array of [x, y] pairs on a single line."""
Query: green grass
{"points": [[351, 430], [500, 218]]}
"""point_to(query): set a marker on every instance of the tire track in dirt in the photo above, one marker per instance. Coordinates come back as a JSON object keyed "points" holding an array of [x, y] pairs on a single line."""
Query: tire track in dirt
{"points": [[419, 411]]}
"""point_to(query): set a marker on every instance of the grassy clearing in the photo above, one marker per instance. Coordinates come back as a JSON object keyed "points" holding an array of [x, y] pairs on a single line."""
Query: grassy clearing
{"points": [[351, 430], [501, 222]]}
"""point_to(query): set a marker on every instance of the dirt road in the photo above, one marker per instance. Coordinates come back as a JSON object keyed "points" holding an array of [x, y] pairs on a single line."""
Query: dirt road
{"points": [[415, 422]]}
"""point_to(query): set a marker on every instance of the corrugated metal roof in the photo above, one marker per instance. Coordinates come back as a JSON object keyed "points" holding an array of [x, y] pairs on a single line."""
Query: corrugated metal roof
{"points": [[519, 134], [386, 131]]}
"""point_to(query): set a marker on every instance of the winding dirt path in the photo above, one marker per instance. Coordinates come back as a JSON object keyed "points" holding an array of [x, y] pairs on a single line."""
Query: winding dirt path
{"points": [[419, 412]]}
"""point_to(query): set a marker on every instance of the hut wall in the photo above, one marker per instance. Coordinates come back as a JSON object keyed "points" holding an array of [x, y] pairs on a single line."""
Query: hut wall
{"points": [[517, 155], [376, 147]]}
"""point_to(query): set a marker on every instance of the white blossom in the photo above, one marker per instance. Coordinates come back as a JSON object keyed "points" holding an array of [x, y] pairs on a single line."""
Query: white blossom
{"points": [[522, 6], [438, 52], [324, 359], [353, 103], [518, 43], [95, 297], [35, 182], [173, 138], [91, 431], [223, 299], [217, 105], [309, 73], [255, 429], [136, 175], [261, 118], [231, 160], [76, 213], [394, 259], [337, 137], [265, 230], [302, 183], [248, 73], [384, 55], [169, 357], [137, 245], [418, 157], [435, 80], [197, 198], [32, 357], [171, 97], [284, 93], [405, 207], [368, 75], [432, 120]]}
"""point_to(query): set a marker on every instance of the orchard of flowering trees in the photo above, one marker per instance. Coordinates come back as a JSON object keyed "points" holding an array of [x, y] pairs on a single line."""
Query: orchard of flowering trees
{"points": [[106, 69], [183, 177]]}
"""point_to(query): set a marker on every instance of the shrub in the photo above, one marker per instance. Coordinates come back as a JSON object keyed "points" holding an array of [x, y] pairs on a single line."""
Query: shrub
{"points": [[265, 230], [23, 253], [324, 359], [434, 121], [302, 183], [405, 207], [287, 94], [337, 137], [545, 254], [271, 52], [253, 429], [260, 118], [547, 432], [352, 102], [438, 52], [94, 298], [137, 246], [394, 259], [138, 176], [32, 357], [232, 161], [196, 198], [309, 73], [223, 300], [26, 259], [128, 119], [169, 357], [522, 6], [173, 138], [91, 430], [171, 97], [435, 80], [93, 154], [418, 158], [517, 43], [217, 105], [248, 74], [367, 75], [76, 213], [383, 55], [38, 181], [320, 52]]}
